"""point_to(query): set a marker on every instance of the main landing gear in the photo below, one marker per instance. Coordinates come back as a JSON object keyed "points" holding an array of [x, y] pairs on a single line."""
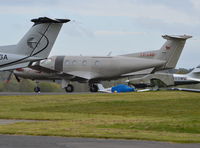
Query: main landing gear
{"points": [[93, 88], [69, 88], [37, 88]]}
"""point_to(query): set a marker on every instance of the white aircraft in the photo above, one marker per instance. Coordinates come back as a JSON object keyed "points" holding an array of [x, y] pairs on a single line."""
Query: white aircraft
{"points": [[192, 77], [168, 79], [34, 46]]}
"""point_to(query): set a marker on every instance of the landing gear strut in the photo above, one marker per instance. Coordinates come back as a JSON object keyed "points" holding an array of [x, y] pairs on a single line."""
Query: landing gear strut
{"points": [[93, 88], [69, 88], [37, 88]]}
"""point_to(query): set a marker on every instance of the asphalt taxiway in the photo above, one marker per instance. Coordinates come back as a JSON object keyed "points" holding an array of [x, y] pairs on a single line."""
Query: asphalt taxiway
{"points": [[8, 141], [33, 93]]}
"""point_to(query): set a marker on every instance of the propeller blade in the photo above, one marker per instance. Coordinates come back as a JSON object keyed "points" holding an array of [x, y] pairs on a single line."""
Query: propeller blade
{"points": [[17, 78], [9, 77]]}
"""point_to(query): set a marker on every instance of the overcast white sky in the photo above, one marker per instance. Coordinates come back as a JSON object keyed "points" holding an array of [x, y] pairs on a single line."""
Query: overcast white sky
{"points": [[101, 26]]}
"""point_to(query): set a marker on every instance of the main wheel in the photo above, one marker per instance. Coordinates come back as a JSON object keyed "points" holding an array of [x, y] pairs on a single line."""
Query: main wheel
{"points": [[93, 88], [37, 89], [69, 88]]}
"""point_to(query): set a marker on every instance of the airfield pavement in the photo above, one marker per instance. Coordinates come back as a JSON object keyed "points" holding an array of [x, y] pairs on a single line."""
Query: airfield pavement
{"points": [[14, 141], [33, 93]]}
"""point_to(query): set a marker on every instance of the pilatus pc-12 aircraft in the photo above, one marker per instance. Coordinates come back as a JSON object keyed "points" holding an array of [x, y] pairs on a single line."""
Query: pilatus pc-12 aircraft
{"points": [[94, 69], [35, 45]]}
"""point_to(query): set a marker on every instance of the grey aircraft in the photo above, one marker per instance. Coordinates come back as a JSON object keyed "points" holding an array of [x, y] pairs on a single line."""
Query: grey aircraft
{"points": [[94, 69], [35, 45]]}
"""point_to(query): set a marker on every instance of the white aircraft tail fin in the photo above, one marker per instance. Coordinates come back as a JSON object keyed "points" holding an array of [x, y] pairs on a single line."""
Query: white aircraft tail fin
{"points": [[39, 40]]}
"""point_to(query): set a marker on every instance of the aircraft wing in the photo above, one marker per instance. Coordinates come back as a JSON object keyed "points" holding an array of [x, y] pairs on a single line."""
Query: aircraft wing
{"points": [[12, 67], [186, 89], [80, 75], [143, 90], [193, 79], [141, 72], [83, 74], [36, 66]]}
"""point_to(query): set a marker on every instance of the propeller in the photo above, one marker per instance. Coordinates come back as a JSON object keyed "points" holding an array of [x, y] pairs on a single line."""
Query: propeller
{"points": [[17, 78], [10, 76]]}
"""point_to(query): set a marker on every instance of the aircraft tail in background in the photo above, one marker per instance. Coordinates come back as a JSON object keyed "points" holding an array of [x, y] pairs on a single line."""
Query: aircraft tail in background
{"points": [[169, 52]]}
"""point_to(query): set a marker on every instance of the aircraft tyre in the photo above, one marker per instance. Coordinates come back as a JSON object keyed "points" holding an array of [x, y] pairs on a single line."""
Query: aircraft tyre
{"points": [[93, 88], [37, 89], [69, 88]]}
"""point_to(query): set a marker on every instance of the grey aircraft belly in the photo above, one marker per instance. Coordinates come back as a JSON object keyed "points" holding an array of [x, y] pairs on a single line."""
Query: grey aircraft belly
{"points": [[94, 69]]}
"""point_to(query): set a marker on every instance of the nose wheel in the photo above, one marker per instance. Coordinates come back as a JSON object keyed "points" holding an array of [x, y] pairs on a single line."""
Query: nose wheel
{"points": [[37, 89], [69, 88], [93, 88]]}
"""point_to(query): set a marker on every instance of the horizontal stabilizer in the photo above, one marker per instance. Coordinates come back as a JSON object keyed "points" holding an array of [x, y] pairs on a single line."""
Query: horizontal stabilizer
{"points": [[184, 37], [41, 20]]}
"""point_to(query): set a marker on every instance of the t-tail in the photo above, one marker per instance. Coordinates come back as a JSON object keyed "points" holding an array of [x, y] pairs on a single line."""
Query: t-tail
{"points": [[36, 43], [169, 52]]}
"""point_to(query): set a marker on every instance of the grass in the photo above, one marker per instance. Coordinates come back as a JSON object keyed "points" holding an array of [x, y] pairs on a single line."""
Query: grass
{"points": [[162, 116]]}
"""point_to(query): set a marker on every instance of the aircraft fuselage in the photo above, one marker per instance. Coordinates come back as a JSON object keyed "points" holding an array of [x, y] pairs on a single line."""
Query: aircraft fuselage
{"points": [[95, 67]]}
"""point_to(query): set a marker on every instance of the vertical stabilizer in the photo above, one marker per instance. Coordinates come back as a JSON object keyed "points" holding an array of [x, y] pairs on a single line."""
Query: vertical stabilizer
{"points": [[39, 40], [171, 50]]}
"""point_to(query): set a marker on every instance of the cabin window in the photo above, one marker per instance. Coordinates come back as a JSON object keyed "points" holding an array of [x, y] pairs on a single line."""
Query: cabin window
{"points": [[97, 63], [67, 62]]}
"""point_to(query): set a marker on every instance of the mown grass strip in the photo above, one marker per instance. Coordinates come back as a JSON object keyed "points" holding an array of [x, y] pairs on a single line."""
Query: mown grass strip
{"points": [[162, 116]]}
